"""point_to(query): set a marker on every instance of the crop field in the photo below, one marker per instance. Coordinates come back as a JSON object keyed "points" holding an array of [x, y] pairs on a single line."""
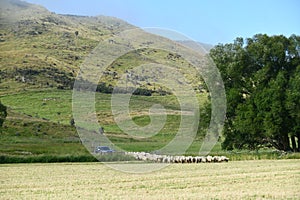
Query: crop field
{"points": [[260, 179]]}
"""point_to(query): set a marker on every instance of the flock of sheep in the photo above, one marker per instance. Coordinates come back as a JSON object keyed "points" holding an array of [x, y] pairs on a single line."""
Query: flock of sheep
{"points": [[176, 159]]}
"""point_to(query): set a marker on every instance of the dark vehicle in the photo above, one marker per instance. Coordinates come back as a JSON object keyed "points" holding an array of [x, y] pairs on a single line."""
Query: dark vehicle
{"points": [[103, 149]]}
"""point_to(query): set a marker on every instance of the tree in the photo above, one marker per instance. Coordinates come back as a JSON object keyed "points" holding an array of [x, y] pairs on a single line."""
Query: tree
{"points": [[3, 113], [293, 108], [261, 77]]}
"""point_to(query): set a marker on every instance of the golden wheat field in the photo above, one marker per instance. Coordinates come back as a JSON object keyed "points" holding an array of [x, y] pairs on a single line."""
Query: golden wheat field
{"points": [[260, 179]]}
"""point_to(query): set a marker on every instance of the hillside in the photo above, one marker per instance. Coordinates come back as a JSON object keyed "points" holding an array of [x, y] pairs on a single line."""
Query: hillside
{"points": [[40, 57], [41, 49]]}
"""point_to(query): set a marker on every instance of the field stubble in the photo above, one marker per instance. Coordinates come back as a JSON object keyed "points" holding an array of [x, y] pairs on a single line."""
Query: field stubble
{"points": [[260, 179]]}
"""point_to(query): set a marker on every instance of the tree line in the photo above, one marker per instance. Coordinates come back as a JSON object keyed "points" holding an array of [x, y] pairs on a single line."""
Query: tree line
{"points": [[262, 82]]}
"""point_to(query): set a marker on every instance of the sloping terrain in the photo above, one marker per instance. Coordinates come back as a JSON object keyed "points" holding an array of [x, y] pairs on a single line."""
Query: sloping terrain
{"points": [[41, 49], [44, 49], [40, 57]]}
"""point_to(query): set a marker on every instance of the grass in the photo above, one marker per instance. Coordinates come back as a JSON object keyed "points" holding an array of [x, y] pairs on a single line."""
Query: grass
{"points": [[264, 179], [53, 105], [37, 129], [33, 110]]}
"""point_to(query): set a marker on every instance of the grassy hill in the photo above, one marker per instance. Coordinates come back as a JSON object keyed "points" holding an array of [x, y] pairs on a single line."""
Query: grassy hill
{"points": [[41, 49], [41, 53]]}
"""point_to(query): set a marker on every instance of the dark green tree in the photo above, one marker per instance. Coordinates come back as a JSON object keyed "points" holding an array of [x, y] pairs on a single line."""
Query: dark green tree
{"points": [[293, 108], [261, 78]]}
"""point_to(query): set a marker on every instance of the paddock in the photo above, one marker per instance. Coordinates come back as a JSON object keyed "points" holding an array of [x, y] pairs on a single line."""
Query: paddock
{"points": [[256, 179]]}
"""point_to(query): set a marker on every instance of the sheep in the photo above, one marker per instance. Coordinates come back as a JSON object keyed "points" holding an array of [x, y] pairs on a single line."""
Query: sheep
{"points": [[176, 159], [223, 158], [199, 159], [189, 159], [209, 158]]}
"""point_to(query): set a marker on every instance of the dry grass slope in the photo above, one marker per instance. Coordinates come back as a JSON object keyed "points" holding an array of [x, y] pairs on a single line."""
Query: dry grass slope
{"points": [[41, 49]]}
